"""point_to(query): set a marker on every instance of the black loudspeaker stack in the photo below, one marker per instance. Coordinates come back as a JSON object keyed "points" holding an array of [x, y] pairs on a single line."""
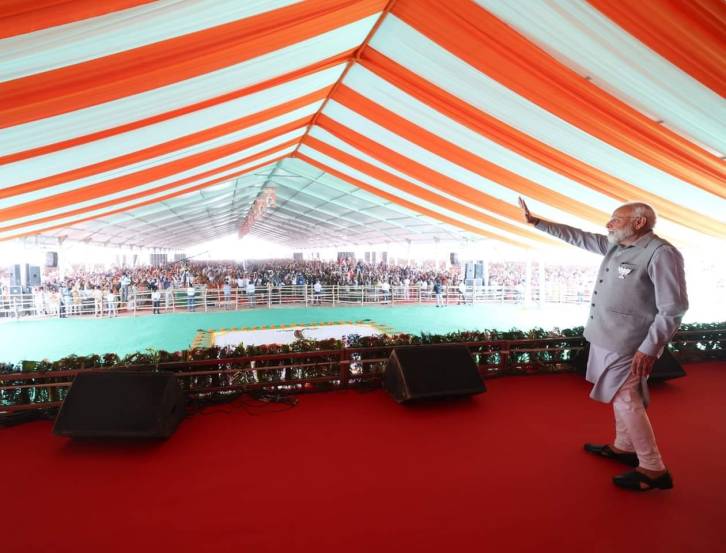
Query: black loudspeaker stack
{"points": [[16, 278], [121, 404], [419, 372], [479, 269], [33, 275], [469, 271], [454, 258], [51, 259]]}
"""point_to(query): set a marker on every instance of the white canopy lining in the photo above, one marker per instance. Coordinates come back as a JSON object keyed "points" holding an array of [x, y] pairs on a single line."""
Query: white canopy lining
{"points": [[373, 121]]}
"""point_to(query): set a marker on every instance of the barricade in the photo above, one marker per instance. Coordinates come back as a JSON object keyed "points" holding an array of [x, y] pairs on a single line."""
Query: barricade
{"points": [[89, 303]]}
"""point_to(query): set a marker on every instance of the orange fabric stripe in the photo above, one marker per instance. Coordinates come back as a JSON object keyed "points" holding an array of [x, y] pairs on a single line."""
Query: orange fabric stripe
{"points": [[354, 58], [419, 192], [447, 150], [145, 176], [84, 139], [18, 17], [166, 147], [147, 202], [525, 145], [156, 189], [691, 35], [480, 39], [405, 203], [417, 170], [170, 61]]}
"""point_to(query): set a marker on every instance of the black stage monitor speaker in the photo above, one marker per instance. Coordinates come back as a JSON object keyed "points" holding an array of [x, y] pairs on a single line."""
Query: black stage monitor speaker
{"points": [[121, 404], [666, 367], [419, 372]]}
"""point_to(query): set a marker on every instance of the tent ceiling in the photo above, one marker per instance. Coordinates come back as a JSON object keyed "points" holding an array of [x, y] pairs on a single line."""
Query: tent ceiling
{"points": [[371, 120]]}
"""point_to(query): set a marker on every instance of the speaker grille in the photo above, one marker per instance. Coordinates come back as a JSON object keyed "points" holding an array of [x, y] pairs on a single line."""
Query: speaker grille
{"points": [[121, 404], [432, 371]]}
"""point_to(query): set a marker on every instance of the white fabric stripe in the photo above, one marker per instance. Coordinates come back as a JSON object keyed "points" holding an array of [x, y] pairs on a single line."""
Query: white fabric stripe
{"points": [[414, 51], [335, 203], [162, 212], [442, 165], [165, 217], [100, 212], [176, 211], [582, 38], [306, 171], [100, 150], [170, 224], [108, 34], [166, 180], [394, 99], [306, 111], [322, 158], [194, 208], [332, 140], [168, 98], [382, 92]]}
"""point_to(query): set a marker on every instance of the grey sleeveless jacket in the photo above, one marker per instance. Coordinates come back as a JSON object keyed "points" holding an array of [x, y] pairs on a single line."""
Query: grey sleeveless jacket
{"points": [[638, 302]]}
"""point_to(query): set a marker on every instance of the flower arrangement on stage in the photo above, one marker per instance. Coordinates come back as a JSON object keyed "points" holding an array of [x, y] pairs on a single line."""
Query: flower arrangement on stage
{"points": [[496, 352]]}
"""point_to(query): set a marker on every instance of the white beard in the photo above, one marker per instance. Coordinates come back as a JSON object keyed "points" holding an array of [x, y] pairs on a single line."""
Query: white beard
{"points": [[615, 237]]}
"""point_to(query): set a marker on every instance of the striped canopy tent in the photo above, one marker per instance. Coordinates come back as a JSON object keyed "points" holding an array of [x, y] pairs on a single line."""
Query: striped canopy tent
{"points": [[132, 122]]}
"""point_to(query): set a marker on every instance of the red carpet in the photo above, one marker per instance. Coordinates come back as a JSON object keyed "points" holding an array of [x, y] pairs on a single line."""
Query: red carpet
{"points": [[352, 471]]}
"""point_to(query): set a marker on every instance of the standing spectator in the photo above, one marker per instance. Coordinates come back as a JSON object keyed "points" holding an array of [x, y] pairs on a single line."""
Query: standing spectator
{"points": [[125, 282], [190, 298], [131, 297], [462, 293], [76, 299], [386, 289], [439, 293], [227, 290], [65, 301], [97, 302], [317, 291], [111, 303], [250, 291], [168, 293], [156, 300]]}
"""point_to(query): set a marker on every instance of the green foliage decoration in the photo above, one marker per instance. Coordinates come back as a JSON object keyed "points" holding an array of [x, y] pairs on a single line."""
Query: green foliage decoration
{"points": [[537, 350]]}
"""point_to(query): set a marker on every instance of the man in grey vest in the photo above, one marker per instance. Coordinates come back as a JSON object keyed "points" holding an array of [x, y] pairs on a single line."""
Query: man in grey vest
{"points": [[637, 305]]}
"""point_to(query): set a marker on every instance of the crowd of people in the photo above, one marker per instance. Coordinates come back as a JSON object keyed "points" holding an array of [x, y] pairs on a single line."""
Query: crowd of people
{"points": [[106, 290]]}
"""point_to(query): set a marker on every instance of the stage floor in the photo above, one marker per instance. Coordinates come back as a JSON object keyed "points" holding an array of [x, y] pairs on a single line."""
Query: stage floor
{"points": [[355, 472]]}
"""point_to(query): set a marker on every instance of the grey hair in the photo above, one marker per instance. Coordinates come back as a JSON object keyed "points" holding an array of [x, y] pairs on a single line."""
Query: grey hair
{"points": [[641, 209]]}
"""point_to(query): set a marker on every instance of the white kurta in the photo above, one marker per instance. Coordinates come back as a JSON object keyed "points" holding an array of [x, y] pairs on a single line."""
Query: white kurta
{"points": [[608, 370]]}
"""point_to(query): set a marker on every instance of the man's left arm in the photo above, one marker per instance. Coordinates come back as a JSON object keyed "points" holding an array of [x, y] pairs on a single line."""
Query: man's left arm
{"points": [[668, 277]]}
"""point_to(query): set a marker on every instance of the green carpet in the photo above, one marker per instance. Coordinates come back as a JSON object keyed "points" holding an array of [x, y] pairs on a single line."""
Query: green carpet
{"points": [[56, 338]]}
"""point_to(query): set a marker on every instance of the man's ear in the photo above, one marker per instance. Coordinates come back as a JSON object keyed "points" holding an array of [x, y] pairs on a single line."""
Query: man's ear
{"points": [[640, 222]]}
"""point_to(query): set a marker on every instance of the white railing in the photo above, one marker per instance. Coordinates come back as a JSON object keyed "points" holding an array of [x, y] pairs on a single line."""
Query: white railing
{"points": [[134, 302]]}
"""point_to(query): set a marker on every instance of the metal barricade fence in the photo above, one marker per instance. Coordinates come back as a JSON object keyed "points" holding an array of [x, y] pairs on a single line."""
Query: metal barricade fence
{"points": [[134, 301]]}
